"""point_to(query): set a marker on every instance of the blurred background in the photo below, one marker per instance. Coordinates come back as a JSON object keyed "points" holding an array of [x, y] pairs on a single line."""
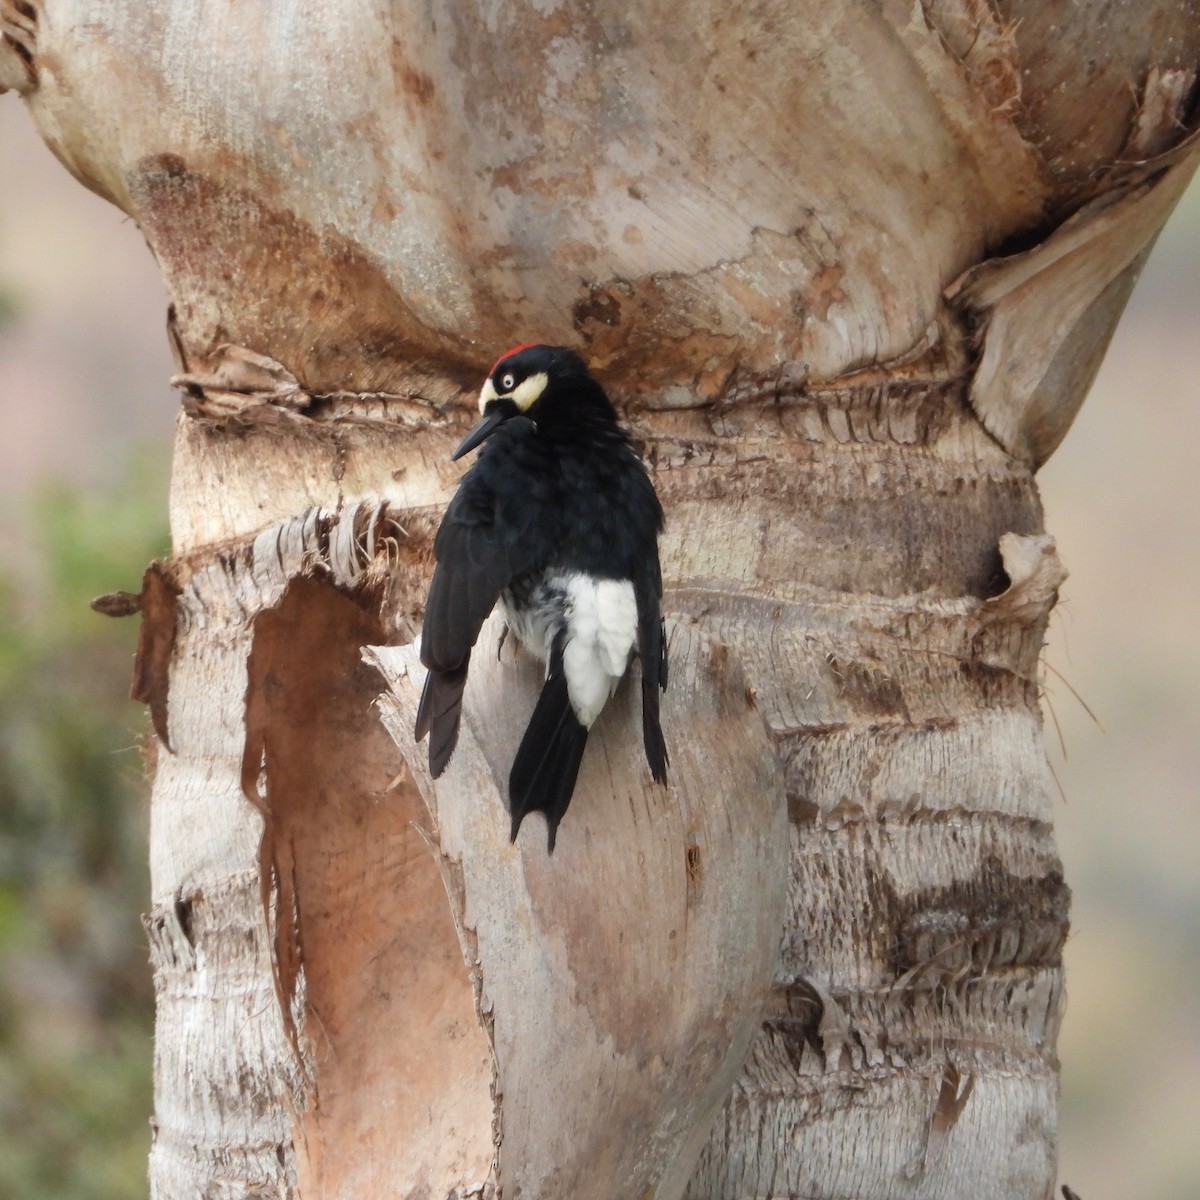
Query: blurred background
{"points": [[87, 414]]}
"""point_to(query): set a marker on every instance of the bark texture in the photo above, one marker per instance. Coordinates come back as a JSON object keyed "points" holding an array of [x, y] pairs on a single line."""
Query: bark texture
{"points": [[848, 269]]}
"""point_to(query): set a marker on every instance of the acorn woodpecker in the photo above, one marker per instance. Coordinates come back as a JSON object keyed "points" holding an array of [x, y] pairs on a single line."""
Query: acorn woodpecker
{"points": [[558, 520]]}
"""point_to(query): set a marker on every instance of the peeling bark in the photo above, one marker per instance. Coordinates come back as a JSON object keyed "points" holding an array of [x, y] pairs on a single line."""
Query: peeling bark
{"points": [[365, 953], [1046, 315], [848, 271]]}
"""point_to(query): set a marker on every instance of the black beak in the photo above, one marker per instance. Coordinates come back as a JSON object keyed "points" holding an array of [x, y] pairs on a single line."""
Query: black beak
{"points": [[484, 430]]}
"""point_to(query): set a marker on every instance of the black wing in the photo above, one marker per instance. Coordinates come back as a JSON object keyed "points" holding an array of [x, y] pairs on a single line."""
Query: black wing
{"points": [[652, 650], [646, 572], [495, 528]]}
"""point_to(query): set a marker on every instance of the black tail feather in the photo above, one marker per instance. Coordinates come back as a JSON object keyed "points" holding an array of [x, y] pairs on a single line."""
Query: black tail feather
{"points": [[547, 762], [438, 715], [652, 736]]}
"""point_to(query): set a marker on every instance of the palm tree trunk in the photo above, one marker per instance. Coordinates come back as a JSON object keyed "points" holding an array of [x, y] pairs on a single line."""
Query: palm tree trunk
{"points": [[848, 269]]}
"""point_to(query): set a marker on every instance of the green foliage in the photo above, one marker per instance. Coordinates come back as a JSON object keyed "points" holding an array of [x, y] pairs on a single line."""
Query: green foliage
{"points": [[75, 993]]}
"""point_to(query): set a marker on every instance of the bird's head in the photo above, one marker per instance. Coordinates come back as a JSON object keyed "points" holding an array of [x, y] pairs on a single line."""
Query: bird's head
{"points": [[522, 383]]}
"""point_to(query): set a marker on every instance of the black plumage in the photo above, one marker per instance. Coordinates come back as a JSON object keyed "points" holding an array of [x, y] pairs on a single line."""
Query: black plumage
{"points": [[558, 520]]}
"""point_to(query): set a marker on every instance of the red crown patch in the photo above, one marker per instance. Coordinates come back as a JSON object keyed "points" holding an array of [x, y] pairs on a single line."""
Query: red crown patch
{"points": [[510, 353]]}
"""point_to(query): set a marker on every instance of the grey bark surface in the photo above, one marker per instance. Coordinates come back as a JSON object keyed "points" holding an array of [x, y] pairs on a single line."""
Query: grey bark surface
{"points": [[848, 270]]}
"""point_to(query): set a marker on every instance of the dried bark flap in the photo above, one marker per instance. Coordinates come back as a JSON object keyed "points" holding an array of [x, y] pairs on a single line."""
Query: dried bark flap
{"points": [[312, 634], [233, 383], [949, 1107], [370, 980], [1046, 316], [157, 602], [1002, 623], [1035, 574]]}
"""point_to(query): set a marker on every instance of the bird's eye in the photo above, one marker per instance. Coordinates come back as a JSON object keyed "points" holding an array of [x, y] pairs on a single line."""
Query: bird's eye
{"points": [[508, 381]]}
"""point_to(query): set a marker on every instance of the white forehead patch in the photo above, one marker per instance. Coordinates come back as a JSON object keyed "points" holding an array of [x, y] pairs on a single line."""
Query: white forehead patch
{"points": [[486, 396]]}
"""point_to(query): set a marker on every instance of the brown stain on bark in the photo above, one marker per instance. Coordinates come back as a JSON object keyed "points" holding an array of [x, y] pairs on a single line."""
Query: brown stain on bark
{"points": [[825, 291], [599, 306], [255, 275], [362, 908], [986, 924], [872, 691], [411, 81]]}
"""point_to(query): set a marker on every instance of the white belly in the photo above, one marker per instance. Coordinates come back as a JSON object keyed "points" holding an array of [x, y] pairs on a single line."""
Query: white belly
{"points": [[599, 617]]}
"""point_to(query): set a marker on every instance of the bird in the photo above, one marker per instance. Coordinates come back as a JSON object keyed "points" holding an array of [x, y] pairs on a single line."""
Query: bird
{"points": [[556, 520]]}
